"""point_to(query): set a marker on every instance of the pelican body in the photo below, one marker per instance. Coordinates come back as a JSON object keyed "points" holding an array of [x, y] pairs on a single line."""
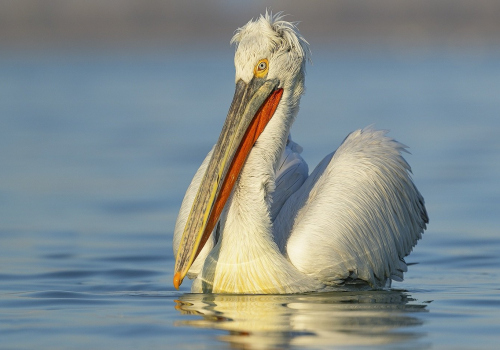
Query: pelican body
{"points": [[254, 221]]}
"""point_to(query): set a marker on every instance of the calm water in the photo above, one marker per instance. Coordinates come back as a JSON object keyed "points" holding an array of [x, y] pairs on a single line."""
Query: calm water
{"points": [[98, 149]]}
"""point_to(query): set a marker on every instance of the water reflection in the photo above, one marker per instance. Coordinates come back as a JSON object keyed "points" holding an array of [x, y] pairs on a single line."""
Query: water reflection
{"points": [[335, 318]]}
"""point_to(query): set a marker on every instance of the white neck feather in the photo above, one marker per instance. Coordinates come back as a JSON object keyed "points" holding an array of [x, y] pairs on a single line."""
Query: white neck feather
{"points": [[246, 258]]}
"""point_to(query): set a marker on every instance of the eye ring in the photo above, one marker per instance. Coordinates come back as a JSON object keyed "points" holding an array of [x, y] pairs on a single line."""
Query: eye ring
{"points": [[261, 68]]}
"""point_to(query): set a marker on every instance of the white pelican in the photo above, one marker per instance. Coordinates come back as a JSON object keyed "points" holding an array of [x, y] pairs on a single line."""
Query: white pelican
{"points": [[253, 221]]}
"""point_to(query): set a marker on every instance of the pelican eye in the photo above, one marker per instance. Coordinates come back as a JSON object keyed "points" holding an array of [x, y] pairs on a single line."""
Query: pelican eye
{"points": [[261, 68]]}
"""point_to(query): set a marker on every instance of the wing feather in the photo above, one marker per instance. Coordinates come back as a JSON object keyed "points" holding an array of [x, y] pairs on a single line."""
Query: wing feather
{"points": [[180, 223], [291, 173], [357, 215]]}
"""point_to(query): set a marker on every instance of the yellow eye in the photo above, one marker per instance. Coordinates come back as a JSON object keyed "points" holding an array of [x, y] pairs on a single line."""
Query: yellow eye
{"points": [[261, 68]]}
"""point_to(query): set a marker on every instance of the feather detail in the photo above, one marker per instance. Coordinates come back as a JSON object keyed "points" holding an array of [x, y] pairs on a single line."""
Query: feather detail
{"points": [[358, 212]]}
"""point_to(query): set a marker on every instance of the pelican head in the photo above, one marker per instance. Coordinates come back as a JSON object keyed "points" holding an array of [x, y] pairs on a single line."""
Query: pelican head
{"points": [[270, 69], [271, 48]]}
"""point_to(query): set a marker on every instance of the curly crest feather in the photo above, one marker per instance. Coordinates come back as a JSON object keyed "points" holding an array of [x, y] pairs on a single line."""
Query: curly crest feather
{"points": [[284, 35]]}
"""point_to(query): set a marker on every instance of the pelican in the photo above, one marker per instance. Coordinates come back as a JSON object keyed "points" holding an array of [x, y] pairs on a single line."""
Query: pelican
{"points": [[253, 221]]}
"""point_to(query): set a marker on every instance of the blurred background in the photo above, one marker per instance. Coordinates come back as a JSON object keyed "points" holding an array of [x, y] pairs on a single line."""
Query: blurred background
{"points": [[91, 90], [28, 24], [108, 107]]}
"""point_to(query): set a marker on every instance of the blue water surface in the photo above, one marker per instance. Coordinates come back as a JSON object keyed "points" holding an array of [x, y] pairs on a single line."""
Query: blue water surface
{"points": [[97, 150]]}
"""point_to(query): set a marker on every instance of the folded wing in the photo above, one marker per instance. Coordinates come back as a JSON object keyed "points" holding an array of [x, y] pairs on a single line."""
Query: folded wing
{"points": [[291, 173], [357, 215]]}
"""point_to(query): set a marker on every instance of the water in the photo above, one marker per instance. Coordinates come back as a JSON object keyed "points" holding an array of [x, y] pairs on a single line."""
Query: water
{"points": [[98, 149]]}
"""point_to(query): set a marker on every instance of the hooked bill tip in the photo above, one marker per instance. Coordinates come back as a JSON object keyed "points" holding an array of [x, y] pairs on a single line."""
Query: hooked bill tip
{"points": [[177, 280]]}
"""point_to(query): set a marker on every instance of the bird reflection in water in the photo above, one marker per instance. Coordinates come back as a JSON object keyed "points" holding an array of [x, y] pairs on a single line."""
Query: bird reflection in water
{"points": [[333, 318]]}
